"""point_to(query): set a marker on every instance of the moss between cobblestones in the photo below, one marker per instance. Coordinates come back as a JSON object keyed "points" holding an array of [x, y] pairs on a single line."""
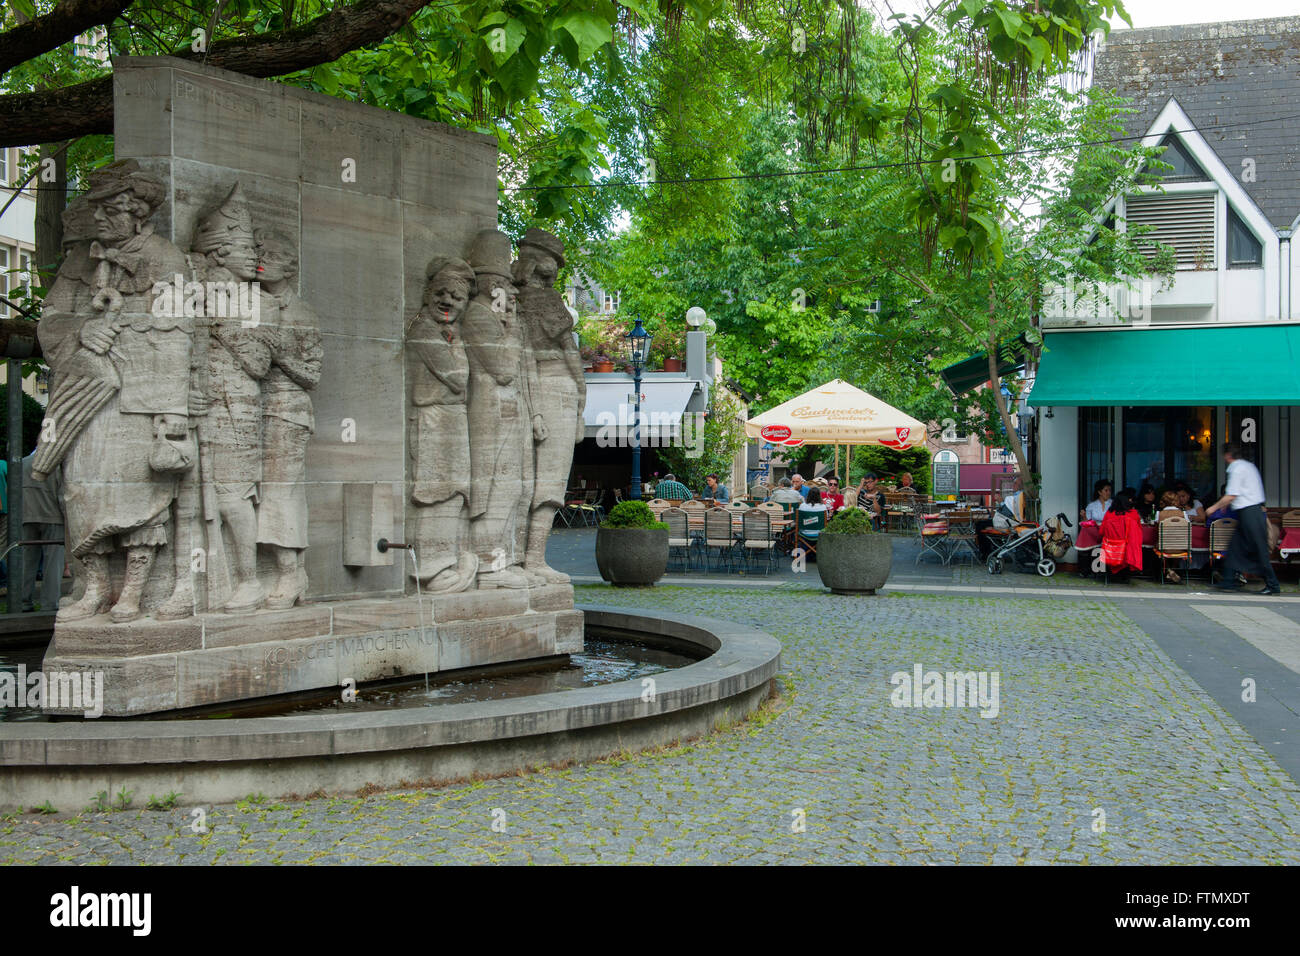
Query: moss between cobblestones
{"points": [[1092, 714]]}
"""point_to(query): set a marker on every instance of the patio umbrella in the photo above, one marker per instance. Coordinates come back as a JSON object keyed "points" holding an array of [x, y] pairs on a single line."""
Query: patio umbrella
{"points": [[837, 413]]}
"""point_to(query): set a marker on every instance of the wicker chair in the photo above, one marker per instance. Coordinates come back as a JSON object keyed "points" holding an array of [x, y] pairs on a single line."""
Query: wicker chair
{"points": [[1221, 533], [1174, 543]]}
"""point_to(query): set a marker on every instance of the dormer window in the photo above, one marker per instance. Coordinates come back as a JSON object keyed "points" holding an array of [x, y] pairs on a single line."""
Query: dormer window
{"points": [[1186, 169], [1244, 250]]}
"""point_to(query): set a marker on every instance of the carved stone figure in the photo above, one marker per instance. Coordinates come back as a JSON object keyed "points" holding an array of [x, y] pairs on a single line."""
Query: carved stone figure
{"points": [[561, 391], [440, 428], [238, 358], [120, 393], [502, 427], [287, 421]]}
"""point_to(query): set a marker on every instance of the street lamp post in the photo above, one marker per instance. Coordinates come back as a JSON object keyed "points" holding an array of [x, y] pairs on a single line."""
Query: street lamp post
{"points": [[638, 345]]}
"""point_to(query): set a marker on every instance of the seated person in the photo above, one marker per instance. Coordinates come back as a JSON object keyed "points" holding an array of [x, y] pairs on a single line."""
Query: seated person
{"points": [[905, 484], [672, 489], [799, 485], [1168, 506], [1146, 501], [869, 496], [785, 493], [718, 492], [1100, 503], [1190, 504], [832, 495], [813, 505], [1121, 537]]}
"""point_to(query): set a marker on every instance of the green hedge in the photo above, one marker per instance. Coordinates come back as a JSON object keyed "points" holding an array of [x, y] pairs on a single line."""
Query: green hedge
{"points": [[632, 514]]}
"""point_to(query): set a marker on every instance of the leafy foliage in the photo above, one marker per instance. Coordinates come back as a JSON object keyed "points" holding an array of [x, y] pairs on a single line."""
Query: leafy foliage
{"points": [[632, 514], [849, 521], [724, 436]]}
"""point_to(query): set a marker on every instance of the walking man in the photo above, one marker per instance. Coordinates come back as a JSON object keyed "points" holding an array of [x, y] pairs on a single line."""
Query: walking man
{"points": [[1249, 548]]}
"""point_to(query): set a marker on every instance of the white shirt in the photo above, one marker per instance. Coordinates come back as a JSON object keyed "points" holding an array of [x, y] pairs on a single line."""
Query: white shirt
{"points": [[1096, 510], [1244, 484]]}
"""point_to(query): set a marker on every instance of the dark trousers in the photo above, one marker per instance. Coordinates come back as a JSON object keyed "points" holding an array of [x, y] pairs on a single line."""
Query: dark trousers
{"points": [[1248, 550]]}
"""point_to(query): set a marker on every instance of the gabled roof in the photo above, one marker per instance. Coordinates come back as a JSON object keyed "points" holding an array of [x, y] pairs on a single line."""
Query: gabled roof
{"points": [[1244, 72]]}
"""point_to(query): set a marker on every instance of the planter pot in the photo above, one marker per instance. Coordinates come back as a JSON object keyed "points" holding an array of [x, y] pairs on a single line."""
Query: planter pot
{"points": [[602, 366], [672, 365], [632, 557], [854, 563]]}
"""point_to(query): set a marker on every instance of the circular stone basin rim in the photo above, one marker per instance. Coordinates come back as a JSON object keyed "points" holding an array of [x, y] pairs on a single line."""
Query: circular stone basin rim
{"points": [[742, 659]]}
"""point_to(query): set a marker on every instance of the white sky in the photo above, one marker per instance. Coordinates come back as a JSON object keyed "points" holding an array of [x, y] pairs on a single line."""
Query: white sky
{"points": [[1154, 13]]}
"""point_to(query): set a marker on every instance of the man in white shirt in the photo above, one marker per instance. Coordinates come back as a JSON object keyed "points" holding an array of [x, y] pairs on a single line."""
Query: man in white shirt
{"points": [[785, 493], [1249, 548]]}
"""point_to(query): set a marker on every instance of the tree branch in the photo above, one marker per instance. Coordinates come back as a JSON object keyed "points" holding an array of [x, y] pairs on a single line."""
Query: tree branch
{"points": [[85, 108], [55, 28]]}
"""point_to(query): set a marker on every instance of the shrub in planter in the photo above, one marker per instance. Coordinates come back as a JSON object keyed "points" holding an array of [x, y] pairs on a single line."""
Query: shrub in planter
{"points": [[631, 546], [851, 557]]}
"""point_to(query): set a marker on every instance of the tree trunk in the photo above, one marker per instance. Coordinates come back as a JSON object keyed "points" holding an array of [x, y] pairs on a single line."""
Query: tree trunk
{"points": [[51, 200], [1008, 425]]}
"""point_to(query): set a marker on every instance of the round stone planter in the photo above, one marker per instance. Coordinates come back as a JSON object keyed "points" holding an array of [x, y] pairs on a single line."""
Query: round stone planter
{"points": [[632, 557], [854, 563]]}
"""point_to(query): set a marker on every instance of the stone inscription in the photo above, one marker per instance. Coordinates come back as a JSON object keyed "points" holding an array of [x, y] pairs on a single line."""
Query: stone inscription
{"points": [[344, 648], [225, 97]]}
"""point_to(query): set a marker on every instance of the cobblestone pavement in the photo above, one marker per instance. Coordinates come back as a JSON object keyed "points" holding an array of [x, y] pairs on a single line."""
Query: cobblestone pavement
{"points": [[1103, 751]]}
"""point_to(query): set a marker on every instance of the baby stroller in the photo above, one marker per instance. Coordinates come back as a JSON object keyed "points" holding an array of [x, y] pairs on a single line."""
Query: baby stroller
{"points": [[1034, 547]]}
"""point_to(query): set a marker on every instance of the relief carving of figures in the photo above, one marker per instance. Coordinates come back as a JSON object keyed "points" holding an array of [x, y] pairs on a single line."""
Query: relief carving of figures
{"points": [[287, 420], [121, 389], [502, 426], [238, 358], [440, 428], [561, 391]]}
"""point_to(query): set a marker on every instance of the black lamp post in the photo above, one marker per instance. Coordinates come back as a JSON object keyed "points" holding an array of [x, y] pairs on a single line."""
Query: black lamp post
{"points": [[638, 347]]}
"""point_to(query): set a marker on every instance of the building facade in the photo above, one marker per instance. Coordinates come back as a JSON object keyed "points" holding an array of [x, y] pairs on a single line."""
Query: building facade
{"points": [[1145, 384]]}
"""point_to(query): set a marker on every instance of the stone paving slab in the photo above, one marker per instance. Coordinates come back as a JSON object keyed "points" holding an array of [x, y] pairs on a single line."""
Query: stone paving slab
{"points": [[1103, 751]]}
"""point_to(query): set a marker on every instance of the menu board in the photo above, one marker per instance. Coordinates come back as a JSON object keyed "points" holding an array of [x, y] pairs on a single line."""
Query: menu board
{"points": [[946, 473]]}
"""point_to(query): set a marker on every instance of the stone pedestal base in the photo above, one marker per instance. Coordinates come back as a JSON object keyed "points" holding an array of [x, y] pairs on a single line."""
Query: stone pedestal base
{"points": [[150, 666]]}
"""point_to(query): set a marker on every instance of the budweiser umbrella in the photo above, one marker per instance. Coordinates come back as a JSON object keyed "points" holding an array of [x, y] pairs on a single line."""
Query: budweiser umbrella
{"points": [[837, 413]]}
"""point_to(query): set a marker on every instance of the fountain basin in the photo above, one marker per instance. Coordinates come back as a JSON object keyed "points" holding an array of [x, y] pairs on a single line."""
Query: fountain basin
{"points": [[219, 761]]}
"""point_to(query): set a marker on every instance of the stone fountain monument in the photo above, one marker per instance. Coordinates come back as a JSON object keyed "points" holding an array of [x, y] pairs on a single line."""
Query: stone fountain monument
{"points": [[313, 421]]}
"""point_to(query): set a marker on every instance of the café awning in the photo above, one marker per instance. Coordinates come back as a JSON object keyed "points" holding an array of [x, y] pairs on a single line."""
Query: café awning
{"points": [[1214, 365], [611, 405], [837, 413], [973, 372]]}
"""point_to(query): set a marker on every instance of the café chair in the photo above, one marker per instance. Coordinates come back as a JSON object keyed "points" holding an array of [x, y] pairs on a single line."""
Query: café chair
{"points": [[680, 542], [1174, 543], [756, 539], [1221, 533]]}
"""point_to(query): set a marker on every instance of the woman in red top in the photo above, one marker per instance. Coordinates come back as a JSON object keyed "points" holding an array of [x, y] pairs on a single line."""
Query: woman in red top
{"points": [[1121, 536]]}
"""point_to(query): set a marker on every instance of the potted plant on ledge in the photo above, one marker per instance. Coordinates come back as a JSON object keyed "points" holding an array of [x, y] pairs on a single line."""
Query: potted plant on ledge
{"points": [[851, 557], [632, 546]]}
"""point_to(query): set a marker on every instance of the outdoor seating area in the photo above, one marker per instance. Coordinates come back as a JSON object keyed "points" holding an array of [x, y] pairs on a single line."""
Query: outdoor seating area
{"points": [[744, 535], [1175, 544]]}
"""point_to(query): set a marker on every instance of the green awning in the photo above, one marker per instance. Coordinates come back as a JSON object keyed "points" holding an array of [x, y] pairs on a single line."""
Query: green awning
{"points": [[1247, 365], [974, 371]]}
